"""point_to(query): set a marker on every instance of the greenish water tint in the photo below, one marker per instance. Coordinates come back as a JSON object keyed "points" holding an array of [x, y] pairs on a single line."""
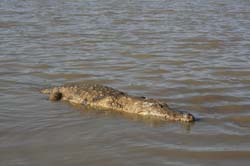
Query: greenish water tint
{"points": [[192, 54]]}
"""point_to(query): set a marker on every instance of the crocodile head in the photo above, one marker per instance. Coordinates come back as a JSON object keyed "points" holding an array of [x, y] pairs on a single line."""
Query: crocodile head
{"points": [[160, 109]]}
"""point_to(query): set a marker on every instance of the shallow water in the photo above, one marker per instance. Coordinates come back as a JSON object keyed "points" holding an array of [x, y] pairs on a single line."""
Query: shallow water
{"points": [[192, 54]]}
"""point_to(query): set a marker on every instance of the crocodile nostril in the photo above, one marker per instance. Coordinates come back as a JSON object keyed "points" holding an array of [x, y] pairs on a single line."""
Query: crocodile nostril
{"points": [[188, 117]]}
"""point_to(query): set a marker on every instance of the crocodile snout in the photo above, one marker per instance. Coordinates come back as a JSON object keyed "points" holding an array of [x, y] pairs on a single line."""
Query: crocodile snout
{"points": [[187, 117]]}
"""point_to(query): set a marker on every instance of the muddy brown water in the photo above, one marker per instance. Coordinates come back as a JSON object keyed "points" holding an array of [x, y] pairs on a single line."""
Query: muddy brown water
{"points": [[192, 54]]}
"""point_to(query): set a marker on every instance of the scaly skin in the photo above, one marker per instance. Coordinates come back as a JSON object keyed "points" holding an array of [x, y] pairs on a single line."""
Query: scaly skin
{"points": [[95, 95]]}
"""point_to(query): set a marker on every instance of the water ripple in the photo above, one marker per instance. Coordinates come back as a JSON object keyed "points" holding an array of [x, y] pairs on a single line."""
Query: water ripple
{"points": [[194, 55]]}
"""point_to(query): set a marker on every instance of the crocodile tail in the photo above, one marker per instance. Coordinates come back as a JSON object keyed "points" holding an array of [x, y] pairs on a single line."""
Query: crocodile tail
{"points": [[45, 91]]}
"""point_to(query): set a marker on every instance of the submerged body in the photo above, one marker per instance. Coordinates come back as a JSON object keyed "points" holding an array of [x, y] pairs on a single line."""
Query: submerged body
{"points": [[96, 95]]}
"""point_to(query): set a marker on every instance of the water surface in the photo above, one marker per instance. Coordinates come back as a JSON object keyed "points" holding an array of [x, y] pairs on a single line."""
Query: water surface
{"points": [[192, 54]]}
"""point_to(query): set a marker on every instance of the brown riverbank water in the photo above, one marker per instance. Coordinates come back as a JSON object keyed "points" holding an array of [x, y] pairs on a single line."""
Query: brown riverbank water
{"points": [[192, 54]]}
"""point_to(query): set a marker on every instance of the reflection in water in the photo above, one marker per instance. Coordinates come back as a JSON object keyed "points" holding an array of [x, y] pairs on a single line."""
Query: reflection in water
{"points": [[194, 55]]}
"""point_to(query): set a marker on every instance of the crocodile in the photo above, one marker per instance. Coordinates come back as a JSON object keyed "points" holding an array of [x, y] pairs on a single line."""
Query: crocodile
{"points": [[100, 96]]}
